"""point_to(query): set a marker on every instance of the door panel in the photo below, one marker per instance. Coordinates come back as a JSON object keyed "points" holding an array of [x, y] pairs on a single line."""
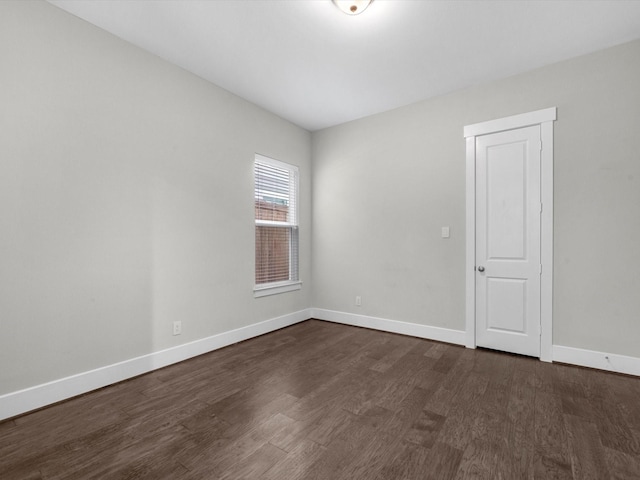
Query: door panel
{"points": [[505, 201], [506, 301], [508, 241]]}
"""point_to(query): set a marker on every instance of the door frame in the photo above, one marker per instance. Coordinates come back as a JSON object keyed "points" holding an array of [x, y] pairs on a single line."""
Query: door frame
{"points": [[545, 119]]}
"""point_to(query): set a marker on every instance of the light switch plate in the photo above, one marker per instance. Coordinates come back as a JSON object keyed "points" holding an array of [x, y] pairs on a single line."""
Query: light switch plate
{"points": [[445, 232]]}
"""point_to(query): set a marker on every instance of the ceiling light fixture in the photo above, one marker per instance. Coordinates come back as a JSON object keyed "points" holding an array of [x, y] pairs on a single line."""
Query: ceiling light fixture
{"points": [[352, 7]]}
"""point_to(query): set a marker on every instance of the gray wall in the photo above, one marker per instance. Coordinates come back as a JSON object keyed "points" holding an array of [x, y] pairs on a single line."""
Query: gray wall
{"points": [[125, 200], [383, 187], [126, 203]]}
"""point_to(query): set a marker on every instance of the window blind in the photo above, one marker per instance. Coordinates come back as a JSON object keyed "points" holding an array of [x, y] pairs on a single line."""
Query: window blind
{"points": [[276, 221]]}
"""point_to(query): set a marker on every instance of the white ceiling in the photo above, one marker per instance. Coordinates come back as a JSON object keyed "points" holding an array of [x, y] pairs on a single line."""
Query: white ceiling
{"points": [[307, 62]]}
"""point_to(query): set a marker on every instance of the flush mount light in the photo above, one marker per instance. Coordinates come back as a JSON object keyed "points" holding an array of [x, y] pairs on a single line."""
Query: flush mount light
{"points": [[352, 7]]}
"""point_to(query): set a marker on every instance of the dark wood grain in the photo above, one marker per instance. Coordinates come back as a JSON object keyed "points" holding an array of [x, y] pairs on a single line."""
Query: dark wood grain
{"points": [[585, 449], [319, 400], [295, 465]]}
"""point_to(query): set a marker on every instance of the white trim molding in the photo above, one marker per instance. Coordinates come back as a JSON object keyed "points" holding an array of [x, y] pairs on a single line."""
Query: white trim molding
{"points": [[545, 119], [509, 123], [470, 262], [23, 401], [603, 361], [273, 289], [393, 326], [546, 237]]}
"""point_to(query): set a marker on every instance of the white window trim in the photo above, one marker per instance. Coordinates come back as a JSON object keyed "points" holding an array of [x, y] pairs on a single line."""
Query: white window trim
{"points": [[275, 288]]}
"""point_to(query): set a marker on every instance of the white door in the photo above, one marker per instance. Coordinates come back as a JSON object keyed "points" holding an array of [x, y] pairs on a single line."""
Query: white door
{"points": [[508, 241]]}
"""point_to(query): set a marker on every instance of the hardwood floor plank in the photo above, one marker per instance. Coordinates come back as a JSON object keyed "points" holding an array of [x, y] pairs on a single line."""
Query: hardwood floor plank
{"points": [[409, 462], [614, 428], [367, 387], [297, 463], [399, 381], [497, 367], [305, 379], [204, 418], [342, 451], [622, 465], [319, 400], [256, 464], [336, 391], [378, 418], [549, 468], [406, 412], [425, 429], [140, 458], [447, 359], [545, 377], [550, 429], [254, 405], [587, 454], [435, 350], [29, 465], [520, 437], [297, 431], [330, 426], [443, 462], [457, 429], [441, 402], [577, 406], [56, 425], [473, 388], [225, 452], [368, 463], [456, 388], [479, 461], [398, 349]]}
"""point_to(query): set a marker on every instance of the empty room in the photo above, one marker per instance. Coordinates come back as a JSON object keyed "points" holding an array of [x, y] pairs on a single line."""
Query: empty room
{"points": [[319, 239]]}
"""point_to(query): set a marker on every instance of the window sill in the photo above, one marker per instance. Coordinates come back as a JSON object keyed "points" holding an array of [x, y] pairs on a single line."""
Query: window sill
{"points": [[275, 288]]}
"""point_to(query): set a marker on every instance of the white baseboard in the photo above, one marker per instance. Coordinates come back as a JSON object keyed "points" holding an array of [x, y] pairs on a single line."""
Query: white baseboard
{"points": [[22, 401], [593, 359], [394, 326], [574, 356]]}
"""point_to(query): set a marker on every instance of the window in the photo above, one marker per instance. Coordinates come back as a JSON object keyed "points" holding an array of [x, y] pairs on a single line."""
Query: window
{"points": [[276, 217]]}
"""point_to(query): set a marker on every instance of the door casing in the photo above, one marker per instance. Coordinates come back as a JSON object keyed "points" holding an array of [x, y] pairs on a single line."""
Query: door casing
{"points": [[545, 119]]}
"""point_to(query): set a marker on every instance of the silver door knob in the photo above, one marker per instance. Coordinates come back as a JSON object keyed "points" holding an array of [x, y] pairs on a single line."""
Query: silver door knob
{"points": [[481, 269]]}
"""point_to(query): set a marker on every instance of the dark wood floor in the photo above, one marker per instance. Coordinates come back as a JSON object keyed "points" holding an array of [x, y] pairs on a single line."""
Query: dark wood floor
{"points": [[324, 401]]}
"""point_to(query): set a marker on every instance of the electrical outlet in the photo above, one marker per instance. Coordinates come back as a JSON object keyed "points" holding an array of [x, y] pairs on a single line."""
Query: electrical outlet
{"points": [[177, 328], [358, 301]]}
